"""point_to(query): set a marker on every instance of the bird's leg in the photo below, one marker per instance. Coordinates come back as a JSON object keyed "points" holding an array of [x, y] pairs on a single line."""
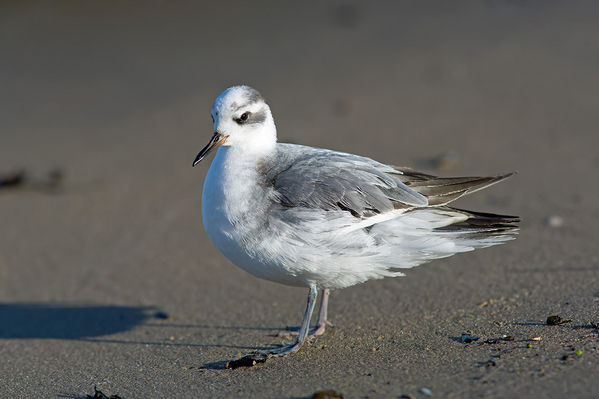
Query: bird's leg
{"points": [[303, 332], [322, 321]]}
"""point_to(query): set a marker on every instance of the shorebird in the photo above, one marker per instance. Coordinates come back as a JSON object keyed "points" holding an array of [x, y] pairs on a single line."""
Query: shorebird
{"points": [[322, 219]]}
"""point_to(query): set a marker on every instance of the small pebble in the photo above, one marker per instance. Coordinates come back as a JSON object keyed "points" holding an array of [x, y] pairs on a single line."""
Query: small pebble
{"points": [[554, 221], [466, 339], [161, 315], [426, 392]]}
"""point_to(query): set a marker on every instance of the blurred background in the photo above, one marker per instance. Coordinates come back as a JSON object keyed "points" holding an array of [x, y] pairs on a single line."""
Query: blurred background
{"points": [[104, 105]]}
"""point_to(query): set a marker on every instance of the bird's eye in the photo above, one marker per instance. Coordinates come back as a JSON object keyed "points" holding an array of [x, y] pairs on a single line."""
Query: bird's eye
{"points": [[244, 116]]}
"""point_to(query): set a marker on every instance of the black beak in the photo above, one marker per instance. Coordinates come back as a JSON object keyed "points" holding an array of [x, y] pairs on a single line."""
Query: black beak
{"points": [[215, 142]]}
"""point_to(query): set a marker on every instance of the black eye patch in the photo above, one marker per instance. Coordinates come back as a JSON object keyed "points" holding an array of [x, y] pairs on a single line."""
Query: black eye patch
{"points": [[251, 118]]}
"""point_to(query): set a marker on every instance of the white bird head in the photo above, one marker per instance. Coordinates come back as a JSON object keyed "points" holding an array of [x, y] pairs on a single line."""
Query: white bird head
{"points": [[241, 119]]}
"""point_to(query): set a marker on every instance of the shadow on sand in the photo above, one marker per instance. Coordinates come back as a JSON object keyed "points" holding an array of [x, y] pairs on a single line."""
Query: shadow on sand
{"points": [[20, 321], [92, 323]]}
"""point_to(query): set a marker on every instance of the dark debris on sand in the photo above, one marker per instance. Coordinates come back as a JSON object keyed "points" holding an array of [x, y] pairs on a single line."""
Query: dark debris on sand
{"points": [[20, 179], [328, 394], [14, 179], [101, 395], [557, 320], [507, 338], [466, 339], [247, 361]]}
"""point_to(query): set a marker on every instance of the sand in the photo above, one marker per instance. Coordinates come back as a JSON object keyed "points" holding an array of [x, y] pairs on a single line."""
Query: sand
{"points": [[108, 280]]}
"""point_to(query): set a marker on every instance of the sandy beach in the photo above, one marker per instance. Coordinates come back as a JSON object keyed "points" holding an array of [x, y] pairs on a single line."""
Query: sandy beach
{"points": [[108, 279]]}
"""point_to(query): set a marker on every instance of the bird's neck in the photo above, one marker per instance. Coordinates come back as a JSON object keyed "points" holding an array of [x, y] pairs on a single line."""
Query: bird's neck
{"points": [[233, 178]]}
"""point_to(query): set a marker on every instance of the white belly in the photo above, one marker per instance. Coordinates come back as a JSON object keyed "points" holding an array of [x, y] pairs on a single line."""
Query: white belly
{"points": [[235, 225]]}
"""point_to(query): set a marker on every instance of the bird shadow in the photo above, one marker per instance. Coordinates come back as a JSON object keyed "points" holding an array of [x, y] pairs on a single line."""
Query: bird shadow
{"points": [[51, 321], [92, 323]]}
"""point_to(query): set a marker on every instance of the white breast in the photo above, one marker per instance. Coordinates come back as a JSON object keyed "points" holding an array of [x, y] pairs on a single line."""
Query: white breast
{"points": [[233, 222]]}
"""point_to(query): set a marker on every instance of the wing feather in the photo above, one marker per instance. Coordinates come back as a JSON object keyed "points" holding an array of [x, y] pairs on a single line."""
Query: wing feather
{"points": [[443, 190], [322, 179]]}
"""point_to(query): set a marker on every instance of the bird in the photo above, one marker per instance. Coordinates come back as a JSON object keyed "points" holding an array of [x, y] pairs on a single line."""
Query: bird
{"points": [[325, 220]]}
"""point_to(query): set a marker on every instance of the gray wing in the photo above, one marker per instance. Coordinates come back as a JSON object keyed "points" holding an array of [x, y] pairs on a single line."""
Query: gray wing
{"points": [[442, 190], [322, 179], [328, 180]]}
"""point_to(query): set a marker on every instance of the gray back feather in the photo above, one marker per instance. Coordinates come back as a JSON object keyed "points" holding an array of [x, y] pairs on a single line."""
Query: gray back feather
{"points": [[322, 179]]}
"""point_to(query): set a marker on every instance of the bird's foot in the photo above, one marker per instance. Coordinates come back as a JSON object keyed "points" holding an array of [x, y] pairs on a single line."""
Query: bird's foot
{"points": [[314, 331], [318, 329], [281, 351]]}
